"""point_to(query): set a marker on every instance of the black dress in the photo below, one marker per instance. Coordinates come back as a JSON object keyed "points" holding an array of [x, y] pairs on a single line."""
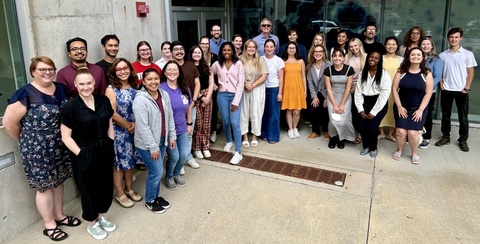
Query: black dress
{"points": [[411, 93]]}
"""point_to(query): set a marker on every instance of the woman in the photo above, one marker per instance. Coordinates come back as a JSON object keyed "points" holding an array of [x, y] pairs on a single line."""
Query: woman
{"points": [[412, 89], [371, 98], [121, 93], [154, 131], [338, 80], [411, 40], [292, 37], [253, 99], [166, 54], [273, 94], [318, 39], [87, 131], [144, 60], [435, 64], [317, 64], [294, 88], [204, 44], [201, 134], [33, 119], [237, 41], [231, 79], [355, 58], [173, 84], [341, 43], [391, 62]]}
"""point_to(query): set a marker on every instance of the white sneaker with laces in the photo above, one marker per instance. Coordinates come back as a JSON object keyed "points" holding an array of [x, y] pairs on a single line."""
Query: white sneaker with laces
{"points": [[198, 154], [96, 231], [290, 134], [107, 225], [228, 146], [295, 133], [236, 158], [192, 163], [206, 153]]}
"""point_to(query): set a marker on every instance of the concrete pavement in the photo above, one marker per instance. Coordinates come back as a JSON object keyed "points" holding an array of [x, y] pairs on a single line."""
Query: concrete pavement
{"points": [[382, 201]]}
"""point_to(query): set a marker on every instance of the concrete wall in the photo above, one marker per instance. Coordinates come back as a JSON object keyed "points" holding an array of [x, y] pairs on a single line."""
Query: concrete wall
{"points": [[47, 25]]}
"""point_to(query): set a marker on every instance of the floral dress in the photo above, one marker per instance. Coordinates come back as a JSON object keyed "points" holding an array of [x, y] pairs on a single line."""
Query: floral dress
{"points": [[125, 154], [45, 158]]}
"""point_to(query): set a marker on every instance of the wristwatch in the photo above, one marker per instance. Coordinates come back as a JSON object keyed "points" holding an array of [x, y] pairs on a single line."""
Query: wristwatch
{"points": [[466, 89]]}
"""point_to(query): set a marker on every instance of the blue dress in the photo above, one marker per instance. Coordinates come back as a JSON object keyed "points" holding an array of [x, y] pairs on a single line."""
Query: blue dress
{"points": [[125, 154], [45, 158], [411, 93]]}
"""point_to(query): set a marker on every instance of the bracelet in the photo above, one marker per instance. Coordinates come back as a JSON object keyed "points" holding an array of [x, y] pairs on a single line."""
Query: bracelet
{"points": [[467, 90], [191, 123]]}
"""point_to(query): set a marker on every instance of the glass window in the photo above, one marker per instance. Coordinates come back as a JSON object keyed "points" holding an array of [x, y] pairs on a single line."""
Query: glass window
{"points": [[12, 73], [199, 3]]}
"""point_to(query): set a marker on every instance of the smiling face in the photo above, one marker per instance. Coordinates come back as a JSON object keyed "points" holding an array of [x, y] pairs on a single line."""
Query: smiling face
{"points": [[78, 52], [373, 59], [338, 57], [318, 53], [370, 32], [266, 27], [238, 42], [144, 52], [166, 53], [204, 44], [341, 38], [172, 71], [426, 46], [391, 46], [354, 48], [318, 40], [293, 36], [216, 32], [111, 48], [197, 54], [291, 49], [43, 73], [269, 48], [416, 56], [85, 83], [455, 39], [227, 52], [415, 35], [151, 81], [178, 52], [122, 71], [251, 49]]}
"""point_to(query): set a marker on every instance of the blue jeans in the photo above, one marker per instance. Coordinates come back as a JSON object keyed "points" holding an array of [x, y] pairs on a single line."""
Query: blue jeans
{"points": [[194, 117], [155, 171], [177, 156], [271, 116], [230, 120]]}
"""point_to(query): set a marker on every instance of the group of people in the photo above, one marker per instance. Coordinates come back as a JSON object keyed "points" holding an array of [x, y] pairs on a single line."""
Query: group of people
{"points": [[130, 114]]}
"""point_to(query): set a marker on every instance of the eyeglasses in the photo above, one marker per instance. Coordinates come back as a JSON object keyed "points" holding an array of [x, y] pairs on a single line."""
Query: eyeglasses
{"points": [[416, 33], [126, 68], [176, 49], [266, 25], [371, 30], [75, 49], [44, 70], [216, 30], [144, 50]]}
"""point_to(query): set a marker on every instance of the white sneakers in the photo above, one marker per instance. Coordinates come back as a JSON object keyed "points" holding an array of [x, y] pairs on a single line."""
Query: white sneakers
{"points": [[182, 171], [295, 132], [228, 146], [236, 158], [206, 153], [213, 137], [192, 163], [290, 134], [198, 154], [202, 154]]}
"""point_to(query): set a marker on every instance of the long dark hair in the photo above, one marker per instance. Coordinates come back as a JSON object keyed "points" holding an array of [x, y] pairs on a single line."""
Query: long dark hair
{"points": [[180, 79], [145, 73], [221, 58], [285, 52], [406, 63], [378, 75], [204, 68], [112, 74]]}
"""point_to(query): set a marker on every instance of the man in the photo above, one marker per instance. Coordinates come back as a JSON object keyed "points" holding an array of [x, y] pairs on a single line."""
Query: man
{"points": [[266, 28], [191, 76], [292, 37], [455, 85], [216, 39], [369, 43], [77, 51], [110, 45]]}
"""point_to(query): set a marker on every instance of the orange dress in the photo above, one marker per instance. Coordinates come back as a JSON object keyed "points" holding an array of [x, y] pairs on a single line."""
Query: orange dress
{"points": [[293, 90]]}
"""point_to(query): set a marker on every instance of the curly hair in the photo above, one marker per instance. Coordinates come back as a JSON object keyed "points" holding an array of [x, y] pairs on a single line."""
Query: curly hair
{"points": [[406, 63]]}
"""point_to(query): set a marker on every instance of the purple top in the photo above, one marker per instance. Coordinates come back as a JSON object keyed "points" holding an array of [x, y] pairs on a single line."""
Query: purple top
{"points": [[66, 75], [180, 105]]}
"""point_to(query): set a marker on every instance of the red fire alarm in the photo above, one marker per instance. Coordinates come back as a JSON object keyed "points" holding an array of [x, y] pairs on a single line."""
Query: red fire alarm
{"points": [[142, 9]]}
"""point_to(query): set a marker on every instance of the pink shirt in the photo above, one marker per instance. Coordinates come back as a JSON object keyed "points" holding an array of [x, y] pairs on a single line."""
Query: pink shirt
{"points": [[231, 80]]}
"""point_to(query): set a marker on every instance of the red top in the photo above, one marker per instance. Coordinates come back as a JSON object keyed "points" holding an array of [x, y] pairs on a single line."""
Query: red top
{"points": [[139, 68]]}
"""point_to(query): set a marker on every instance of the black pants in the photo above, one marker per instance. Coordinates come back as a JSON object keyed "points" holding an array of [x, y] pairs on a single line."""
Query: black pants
{"points": [[461, 100], [368, 128], [319, 115], [429, 120], [93, 172]]}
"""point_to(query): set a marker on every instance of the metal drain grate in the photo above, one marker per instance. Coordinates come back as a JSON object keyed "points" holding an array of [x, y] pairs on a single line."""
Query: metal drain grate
{"points": [[282, 168]]}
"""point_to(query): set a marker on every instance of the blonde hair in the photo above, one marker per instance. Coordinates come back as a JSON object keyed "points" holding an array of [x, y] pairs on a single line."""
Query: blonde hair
{"points": [[256, 58], [311, 58], [310, 52], [362, 55]]}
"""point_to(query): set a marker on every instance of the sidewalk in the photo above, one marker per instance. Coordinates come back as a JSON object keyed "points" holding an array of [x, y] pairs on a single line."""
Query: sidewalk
{"points": [[382, 201]]}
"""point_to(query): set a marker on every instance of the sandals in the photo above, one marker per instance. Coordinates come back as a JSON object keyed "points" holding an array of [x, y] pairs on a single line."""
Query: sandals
{"points": [[56, 235], [397, 155], [245, 143], [391, 138], [70, 221], [254, 143], [134, 196], [358, 140], [124, 201], [415, 159]]}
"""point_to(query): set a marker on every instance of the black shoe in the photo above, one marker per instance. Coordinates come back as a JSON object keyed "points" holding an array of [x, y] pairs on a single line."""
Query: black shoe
{"points": [[155, 207], [341, 144], [333, 141], [442, 141], [140, 167], [464, 146], [162, 202]]}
